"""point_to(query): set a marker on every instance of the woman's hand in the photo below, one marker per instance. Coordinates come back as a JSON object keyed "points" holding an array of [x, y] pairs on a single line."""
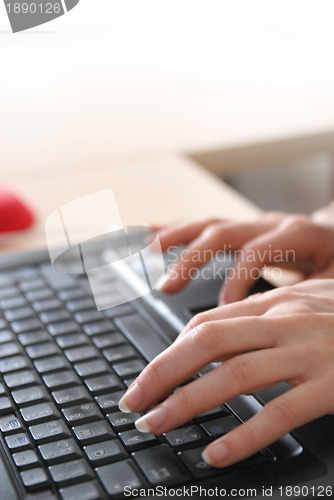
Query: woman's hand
{"points": [[286, 334], [287, 241]]}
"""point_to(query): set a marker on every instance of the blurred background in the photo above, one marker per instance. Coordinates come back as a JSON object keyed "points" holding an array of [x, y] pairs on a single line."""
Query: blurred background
{"points": [[245, 88]]}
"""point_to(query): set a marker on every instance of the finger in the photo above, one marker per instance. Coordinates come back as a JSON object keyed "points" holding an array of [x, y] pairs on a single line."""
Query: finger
{"points": [[277, 247], [221, 236], [241, 374], [182, 233], [194, 352], [294, 408], [255, 305]]}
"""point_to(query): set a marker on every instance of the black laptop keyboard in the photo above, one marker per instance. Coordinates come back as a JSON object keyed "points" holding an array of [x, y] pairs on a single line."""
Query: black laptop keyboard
{"points": [[64, 366]]}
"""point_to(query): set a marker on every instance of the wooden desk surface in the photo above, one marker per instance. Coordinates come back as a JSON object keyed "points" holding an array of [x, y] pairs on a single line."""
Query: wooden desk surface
{"points": [[162, 191]]}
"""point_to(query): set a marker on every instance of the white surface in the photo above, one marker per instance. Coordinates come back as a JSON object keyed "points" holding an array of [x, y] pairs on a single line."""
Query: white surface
{"points": [[114, 79]]}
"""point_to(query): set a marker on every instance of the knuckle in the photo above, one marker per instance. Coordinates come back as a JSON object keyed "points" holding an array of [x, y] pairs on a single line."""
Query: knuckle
{"points": [[296, 222], [240, 369], [205, 335], [213, 229], [153, 373], [197, 320], [183, 398], [281, 412], [249, 436]]}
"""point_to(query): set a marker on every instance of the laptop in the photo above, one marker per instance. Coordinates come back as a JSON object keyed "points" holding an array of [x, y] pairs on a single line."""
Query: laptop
{"points": [[64, 365]]}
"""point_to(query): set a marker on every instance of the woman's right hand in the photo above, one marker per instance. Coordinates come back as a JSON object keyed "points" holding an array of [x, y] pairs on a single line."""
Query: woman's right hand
{"points": [[282, 240]]}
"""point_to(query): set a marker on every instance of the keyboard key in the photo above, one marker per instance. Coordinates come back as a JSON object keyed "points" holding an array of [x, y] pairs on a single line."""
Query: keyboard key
{"points": [[37, 351], [39, 413], [63, 327], [93, 432], [9, 349], [104, 383], [99, 327], [34, 337], [60, 380], [211, 414], [51, 364], [81, 414], [2, 389], [6, 293], [195, 463], [81, 353], [185, 437], [141, 335], [118, 476], [92, 368], [80, 304], [26, 325], [28, 286], [109, 340], [18, 314], [12, 302], [85, 491], [34, 479], [109, 402], [49, 431], [122, 421], [121, 310], [105, 452], [29, 395], [71, 396], [71, 472], [134, 440], [161, 466], [25, 459], [41, 294], [10, 423], [20, 379], [130, 368], [46, 305], [220, 426], [60, 451], [6, 405], [13, 364], [18, 442], [120, 353], [5, 336], [55, 279], [74, 293], [71, 340], [55, 316], [86, 316]]}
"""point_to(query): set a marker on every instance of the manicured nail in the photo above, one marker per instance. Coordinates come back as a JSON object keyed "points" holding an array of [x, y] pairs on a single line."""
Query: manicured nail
{"points": [[215, 454], [152, 420], [131, 400]]}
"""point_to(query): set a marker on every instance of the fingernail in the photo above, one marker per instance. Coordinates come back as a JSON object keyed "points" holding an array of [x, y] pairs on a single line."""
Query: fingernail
{"points": [[215, 454], [152, 421], [131, 400]]}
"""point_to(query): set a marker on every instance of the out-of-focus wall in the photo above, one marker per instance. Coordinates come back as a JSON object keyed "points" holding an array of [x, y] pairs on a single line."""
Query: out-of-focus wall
{"points": [[113, 80]]}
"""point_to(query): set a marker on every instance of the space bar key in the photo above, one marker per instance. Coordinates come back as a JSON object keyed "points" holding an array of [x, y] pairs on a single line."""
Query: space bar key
{"points": [[141, 335]]}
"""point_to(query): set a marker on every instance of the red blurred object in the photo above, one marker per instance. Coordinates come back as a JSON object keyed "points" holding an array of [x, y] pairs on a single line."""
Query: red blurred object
{"points": [[15, 215]]}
